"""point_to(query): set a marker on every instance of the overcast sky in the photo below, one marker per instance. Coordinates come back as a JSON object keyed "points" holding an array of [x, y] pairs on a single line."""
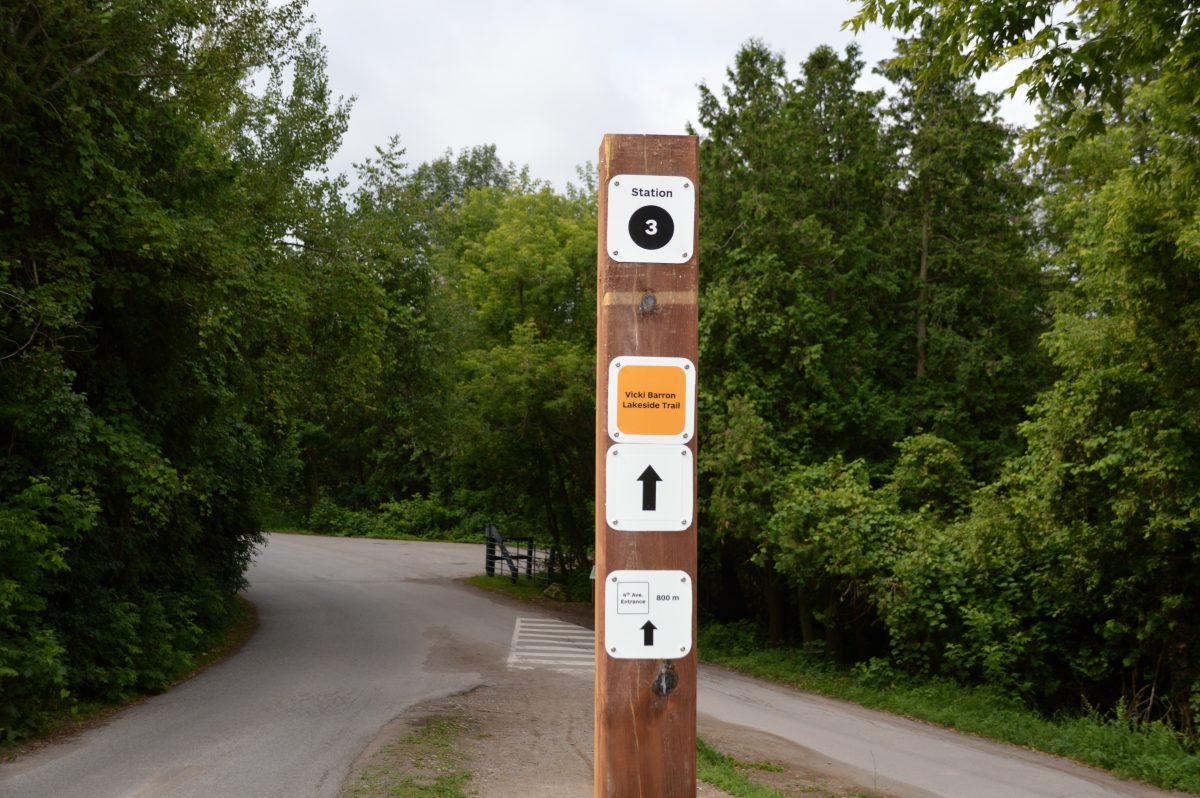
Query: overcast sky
{"points": [[544, 80]]}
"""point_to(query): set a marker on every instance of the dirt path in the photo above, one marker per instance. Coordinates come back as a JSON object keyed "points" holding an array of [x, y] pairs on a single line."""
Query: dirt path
{"points": [[529, 734]]}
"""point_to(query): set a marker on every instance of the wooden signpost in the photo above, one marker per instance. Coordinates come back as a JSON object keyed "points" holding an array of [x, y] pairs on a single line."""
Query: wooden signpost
{"points": [[646, 348]]}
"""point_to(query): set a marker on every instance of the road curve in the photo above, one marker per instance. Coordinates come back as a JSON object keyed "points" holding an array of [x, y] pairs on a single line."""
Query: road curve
{"points": [[355, 631], [351, 633]]}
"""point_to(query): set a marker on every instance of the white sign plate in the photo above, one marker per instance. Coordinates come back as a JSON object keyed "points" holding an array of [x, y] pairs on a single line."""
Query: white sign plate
{"points": [[651, 219], [648, 614], [651, 399], [648, 487]]}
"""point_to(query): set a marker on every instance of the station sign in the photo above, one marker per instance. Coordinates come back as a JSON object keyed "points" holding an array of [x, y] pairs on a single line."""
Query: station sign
{"points": [[648, 614], [651, 219], [651, 399], [648, 487]]}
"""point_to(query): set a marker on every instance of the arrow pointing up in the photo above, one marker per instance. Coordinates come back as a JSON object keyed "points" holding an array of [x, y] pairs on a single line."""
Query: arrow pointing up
{"points": [[648, 633], [649, 480]]}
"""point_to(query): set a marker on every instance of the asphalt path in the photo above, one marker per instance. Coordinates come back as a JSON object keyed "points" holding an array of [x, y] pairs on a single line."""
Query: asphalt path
{"points": [[902, 757], [353, 632], [348, 631]]}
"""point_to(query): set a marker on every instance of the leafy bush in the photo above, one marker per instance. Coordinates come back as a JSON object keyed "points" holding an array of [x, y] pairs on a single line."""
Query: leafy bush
{"points": [[417, 517], [329, 518], [33, 670], [737, 638]]}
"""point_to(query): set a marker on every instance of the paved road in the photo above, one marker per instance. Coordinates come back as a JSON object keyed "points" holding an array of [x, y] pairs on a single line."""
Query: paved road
{"points": [[902, 757], [352, 632], [355, 631]]}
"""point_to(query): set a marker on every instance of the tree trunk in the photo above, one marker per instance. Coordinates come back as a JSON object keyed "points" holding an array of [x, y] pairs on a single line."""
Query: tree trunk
{"points": [[807, 633], [833, 635], [774, 596], [923, 296]]}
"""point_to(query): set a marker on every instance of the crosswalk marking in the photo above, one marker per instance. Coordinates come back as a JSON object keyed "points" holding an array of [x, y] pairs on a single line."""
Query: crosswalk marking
{"points": [[546, 643]]}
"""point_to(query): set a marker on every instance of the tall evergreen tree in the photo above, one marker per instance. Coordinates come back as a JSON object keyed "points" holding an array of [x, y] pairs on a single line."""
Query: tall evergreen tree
{"points": [[795, 173], [975, 296]]}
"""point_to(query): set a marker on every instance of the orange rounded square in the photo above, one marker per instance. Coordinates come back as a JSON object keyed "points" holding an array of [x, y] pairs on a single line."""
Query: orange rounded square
{"points": [[651, 400]]}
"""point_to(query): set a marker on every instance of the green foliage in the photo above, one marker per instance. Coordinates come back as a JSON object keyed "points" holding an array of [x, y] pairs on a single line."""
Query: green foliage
{"points": [[929, 476], [731, 639], [415, 518], [1113, 447], [869, 297], [1093, 53], [1088, 541], [381, 330], [524, 439], [956, 601], [328, 518], [518, 418], [421, 516], [975, 295], [829, 528], [147, 207], [33, 675]]}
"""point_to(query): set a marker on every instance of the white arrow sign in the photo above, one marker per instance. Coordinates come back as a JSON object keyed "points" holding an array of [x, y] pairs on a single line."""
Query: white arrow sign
{"points": [[648, 487], [647, 614]]}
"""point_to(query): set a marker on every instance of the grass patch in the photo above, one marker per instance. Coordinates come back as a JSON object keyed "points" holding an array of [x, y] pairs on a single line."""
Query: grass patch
{"points": [[736, 777], [1151, 753], [523, 588], [425, 764], [726, 773]]}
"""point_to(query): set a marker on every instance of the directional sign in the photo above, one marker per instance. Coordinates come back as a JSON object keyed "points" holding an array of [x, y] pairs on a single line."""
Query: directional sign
{"points": [[651, 219], [651, 399], [648, 487], [648, 614]]}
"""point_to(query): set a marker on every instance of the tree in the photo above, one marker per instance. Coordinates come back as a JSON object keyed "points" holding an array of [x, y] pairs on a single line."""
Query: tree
{"points": [[520, 434], [1102, 510], [1096, 52], [380, 327], [795, 174], [961, 218], [1115, 439], [868, 279], [148, 202]]}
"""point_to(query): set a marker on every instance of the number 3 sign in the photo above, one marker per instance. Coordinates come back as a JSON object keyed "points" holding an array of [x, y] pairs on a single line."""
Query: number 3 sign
{"points": [[651, 219]]}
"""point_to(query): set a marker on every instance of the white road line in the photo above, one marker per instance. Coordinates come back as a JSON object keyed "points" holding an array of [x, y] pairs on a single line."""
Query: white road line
{"points": [[542, 643]]}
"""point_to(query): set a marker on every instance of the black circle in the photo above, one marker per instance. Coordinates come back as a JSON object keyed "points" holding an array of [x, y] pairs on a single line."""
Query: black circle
{"points": [[651, 227]]}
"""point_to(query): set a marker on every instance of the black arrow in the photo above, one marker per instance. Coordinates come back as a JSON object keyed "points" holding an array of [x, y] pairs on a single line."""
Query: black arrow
{"points": [[649, 480], [648, 633]]}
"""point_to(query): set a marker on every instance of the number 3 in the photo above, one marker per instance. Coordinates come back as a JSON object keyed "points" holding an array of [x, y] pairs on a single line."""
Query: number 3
{"points": [[651, 227]]}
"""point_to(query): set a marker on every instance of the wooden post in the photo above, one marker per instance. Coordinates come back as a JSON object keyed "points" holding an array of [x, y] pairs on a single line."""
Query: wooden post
{"points": [[648, 312]]}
